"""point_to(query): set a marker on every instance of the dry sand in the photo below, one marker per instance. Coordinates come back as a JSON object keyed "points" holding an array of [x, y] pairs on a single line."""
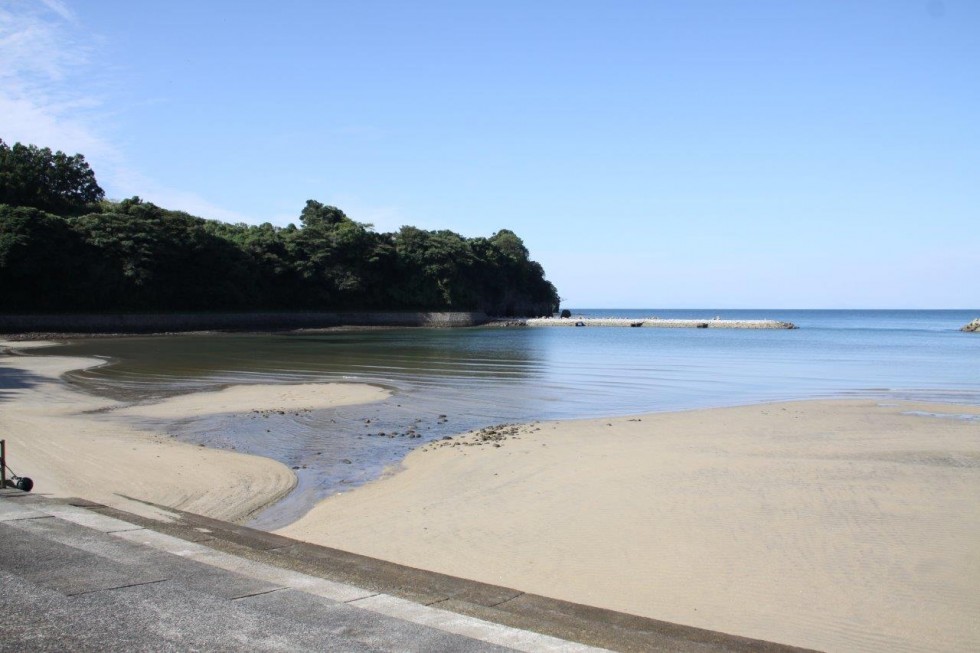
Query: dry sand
{"points": [[75, 445], [838, 525]]}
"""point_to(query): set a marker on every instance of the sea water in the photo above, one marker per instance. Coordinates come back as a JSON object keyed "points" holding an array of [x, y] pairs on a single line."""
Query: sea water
{"points": [[447, 381]]}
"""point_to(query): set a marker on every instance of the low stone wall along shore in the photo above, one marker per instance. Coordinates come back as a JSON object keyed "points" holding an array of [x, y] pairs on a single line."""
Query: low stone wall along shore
{"points": [[176, 322], [712, 323]]}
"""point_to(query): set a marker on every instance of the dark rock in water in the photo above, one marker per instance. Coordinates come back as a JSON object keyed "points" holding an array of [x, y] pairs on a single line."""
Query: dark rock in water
{"points": [[702, 325]]}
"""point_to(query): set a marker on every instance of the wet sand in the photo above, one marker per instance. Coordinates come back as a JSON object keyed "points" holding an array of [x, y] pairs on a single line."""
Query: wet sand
{"points": [[839, 525], [74, 444]]}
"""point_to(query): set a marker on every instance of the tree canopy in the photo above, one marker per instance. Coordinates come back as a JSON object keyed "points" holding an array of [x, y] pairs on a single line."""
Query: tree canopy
{"points": [[69, 250], [50, 181]]}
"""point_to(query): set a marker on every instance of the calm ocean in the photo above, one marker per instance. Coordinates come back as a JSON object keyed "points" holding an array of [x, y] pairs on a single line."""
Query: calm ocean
{"points": [[477, 377]]}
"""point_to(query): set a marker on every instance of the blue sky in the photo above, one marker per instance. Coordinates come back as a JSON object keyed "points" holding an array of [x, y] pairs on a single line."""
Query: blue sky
{"points": [[778, 154]]}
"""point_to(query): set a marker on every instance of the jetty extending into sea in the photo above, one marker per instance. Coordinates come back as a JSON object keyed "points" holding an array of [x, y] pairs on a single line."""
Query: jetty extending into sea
{"points": [[656, 322]]}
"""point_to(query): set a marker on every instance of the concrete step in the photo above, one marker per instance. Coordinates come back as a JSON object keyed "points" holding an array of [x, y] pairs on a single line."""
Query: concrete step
{"points": [[296, 581], [155, 617], [75, 578], [113, 552], [592, 626]]}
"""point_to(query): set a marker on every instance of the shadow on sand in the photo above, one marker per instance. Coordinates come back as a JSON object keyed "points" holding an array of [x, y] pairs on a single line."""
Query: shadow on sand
{"points": [[13, 379]]}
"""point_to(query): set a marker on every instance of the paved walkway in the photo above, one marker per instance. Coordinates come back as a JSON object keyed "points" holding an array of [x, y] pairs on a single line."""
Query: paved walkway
{"points": [[79, 576]]}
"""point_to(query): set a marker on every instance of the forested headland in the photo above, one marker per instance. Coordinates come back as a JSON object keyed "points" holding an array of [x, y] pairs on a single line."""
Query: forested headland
{"points": [[64, 248]]}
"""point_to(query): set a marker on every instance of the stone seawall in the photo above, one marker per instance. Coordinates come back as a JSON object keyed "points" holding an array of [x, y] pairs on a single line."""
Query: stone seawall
{"points": [[177, 322], [658, 323]]}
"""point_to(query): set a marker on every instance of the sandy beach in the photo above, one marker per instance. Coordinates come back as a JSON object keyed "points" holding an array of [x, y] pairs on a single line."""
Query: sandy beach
{"points": [[847, 525], [73, 444], [838, 525]]}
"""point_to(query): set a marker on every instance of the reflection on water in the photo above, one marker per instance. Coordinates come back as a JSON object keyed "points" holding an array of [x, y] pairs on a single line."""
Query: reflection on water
{"points": [[477, 377]]}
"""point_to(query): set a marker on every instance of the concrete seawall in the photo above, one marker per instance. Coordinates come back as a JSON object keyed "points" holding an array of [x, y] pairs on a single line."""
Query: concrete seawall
{"points": [[177, 322], [659, 323]]}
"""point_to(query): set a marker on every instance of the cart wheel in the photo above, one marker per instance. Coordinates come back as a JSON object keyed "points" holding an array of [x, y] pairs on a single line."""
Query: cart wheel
{"points": [[25, 484]]}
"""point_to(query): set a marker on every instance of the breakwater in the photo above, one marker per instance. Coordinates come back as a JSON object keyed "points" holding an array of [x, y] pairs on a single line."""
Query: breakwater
{"points": [[654, 322], [262, 321], [973, 326]]}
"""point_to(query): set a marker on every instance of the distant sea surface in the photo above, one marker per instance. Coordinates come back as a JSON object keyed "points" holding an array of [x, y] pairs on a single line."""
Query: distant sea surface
{"points": [[482, 376]]}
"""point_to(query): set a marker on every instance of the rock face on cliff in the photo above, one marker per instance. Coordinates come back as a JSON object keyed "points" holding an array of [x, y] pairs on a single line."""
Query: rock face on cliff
{"points": [[973, 326]]}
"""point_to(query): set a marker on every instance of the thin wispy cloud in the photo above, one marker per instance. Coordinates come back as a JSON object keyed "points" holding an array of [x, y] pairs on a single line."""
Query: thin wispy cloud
{"points": [[50, 97], [59, 8], [39, 48], [41, 60]]}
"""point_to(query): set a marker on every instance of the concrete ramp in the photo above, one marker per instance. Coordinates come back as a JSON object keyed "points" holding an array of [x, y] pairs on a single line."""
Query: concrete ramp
{"points": [[79, 576]]}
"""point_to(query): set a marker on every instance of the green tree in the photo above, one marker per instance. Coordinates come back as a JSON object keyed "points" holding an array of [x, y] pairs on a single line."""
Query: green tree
{"points": [[44, 264], [510, 245], [331, 253], [277, 283], [51, 181], [435, 270], [316, 215], [63, 247], [154, 259]]}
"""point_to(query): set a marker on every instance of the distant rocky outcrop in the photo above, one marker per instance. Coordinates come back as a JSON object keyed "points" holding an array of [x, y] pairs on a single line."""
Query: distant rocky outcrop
{"points": [[973, 326]]}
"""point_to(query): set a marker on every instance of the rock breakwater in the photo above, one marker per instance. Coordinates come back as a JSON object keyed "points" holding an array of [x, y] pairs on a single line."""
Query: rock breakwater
{"points": [[973, 326], [660, 323]]}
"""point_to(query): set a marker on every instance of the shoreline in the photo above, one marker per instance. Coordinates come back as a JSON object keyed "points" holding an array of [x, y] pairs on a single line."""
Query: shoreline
{"points": [[55, 338], [75, 444], [833, 524], [836, 524], [115, 324]]}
